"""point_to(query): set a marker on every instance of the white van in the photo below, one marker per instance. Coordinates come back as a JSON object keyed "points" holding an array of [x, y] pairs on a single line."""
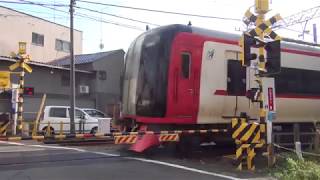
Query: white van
{"points": [[57, 114]]}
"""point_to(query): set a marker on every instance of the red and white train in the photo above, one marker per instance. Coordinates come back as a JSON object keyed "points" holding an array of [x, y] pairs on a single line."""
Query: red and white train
{"points": [[180, 77]]}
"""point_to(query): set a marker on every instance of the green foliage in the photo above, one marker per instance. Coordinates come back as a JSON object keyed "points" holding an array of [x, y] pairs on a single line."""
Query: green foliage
{"points": [[294, 169]]}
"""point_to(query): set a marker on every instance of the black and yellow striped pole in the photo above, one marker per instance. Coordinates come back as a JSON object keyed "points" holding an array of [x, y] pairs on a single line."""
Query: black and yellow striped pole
{"points": [[22, 60], [20, 103]]}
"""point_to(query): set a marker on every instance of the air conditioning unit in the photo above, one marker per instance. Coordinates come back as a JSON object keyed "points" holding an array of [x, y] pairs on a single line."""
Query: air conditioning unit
{"points": [[84, 89]]}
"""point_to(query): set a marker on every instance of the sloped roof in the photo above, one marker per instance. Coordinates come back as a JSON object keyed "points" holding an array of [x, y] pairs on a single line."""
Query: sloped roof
{"points": [[83, 58], [41, 64]]}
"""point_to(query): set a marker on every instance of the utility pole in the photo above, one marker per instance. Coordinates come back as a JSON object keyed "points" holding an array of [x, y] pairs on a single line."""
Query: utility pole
{"points": [[72, 74]]}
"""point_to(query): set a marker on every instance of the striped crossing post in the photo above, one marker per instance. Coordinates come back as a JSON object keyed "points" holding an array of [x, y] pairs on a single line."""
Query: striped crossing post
{"points": [[256, 38], [22, 60], [20, 103], [248, 137]]}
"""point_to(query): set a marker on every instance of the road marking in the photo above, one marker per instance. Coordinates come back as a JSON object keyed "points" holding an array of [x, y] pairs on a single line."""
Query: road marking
{"points": [[105, 154], [43, 146], [58, 147], [12, 143], [184, 168], [131, 158], [10, 149]]}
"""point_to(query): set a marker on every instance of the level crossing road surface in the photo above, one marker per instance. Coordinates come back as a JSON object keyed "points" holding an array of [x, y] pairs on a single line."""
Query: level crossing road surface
{"points": [[35, 161]]}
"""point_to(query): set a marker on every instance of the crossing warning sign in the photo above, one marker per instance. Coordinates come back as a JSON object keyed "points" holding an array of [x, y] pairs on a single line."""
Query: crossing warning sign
{"points": [[5, 79]]}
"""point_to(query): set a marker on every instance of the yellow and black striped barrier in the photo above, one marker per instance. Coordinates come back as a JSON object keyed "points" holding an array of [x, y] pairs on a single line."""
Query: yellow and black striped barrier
{"points": [[3, 128], [169, 138], [126, 139], [248, 137], [119, 137]]}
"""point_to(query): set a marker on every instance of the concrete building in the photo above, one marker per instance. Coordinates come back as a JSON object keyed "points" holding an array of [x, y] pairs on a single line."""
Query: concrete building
{"points": [[107, 68], [98, 79], [45, 40], [50, 80]]}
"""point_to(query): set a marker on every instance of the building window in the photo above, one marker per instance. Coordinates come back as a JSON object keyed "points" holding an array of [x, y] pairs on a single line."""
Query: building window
{"points": [[185, 64], [65, 80], [62, 45], [37, 39], [102, 75], [58, 112]]}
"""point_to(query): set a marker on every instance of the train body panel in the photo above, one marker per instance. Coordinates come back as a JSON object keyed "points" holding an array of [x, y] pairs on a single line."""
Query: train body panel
{"points": [[185, 75]]}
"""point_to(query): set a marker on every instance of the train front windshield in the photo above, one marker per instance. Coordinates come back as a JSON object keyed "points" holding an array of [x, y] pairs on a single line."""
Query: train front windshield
{"points": [[146, 71]]}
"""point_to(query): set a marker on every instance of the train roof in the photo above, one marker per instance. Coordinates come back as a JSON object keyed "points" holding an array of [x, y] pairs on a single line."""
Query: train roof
{"points": [[285, 43]]}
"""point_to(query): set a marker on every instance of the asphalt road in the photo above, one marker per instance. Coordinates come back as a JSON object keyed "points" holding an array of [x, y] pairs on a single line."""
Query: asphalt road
{"points": [[20, 162]]}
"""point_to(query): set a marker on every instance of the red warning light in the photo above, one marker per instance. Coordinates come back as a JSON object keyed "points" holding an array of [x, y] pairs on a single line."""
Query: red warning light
{"points": [[28, 91]]}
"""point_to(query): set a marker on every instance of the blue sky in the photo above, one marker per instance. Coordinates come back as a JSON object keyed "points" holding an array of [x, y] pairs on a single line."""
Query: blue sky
{"points": [[115, 37]]}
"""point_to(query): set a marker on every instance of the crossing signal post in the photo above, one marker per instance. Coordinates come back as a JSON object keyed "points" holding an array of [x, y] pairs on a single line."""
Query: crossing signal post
{"points": [[266, 66], [22, 59]]}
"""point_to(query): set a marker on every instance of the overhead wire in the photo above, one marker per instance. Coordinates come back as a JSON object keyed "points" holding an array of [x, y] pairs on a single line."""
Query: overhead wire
{"points": [[27, 3], [66, 5], [49, 6], [26, 16], [109, 22], [87, 9], [130, 19], [160, 11]]}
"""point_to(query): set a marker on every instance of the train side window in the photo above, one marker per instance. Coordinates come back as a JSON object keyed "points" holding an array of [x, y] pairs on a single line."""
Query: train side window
{"points": [[185, 64], [236, 80], [298, 81]]}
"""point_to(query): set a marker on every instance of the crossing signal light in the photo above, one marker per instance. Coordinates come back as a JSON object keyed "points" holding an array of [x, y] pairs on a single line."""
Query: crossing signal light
{"points": [[28, 91], [246, 42], [273, 64]]}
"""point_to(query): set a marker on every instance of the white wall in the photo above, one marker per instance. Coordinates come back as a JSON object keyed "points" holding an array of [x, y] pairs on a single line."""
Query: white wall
{"points": [[19, 27]]}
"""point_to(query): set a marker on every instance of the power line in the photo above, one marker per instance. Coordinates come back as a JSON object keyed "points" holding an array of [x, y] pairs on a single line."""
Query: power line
{"points": [[109, 22], [160, 11], [130, 19], [28, 3], [95, 18], [65, 5], [300, 17], [48, 6], [28, 16]]}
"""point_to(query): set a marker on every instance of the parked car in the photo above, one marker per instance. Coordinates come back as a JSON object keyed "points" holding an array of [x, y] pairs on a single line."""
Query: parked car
{"points": [[86, 120]]}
